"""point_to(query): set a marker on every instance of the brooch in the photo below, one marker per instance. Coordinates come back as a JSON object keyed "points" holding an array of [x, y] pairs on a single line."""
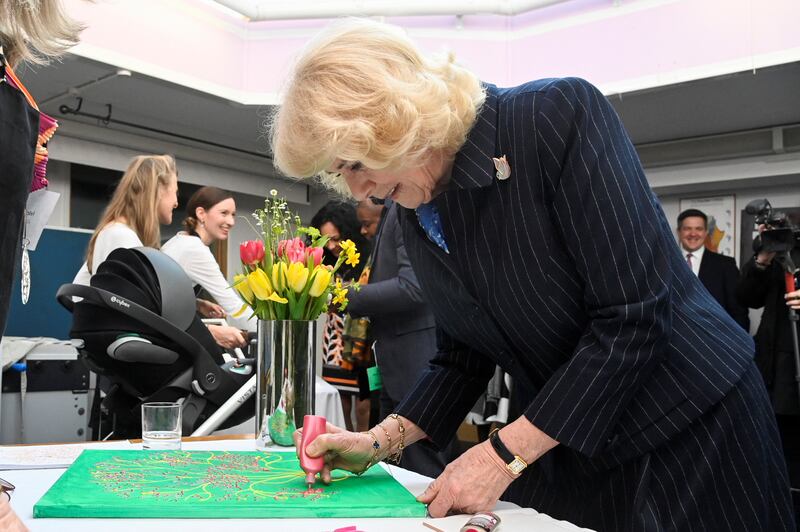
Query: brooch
{"points": [[503, 169]]}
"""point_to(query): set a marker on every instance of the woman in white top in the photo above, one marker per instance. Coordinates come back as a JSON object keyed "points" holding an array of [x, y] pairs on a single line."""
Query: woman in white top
{"points": [[210, 215], [143, 200]]}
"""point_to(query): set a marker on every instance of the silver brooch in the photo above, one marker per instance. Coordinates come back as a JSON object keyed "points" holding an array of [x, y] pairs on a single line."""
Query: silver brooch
{"points": [[503, 169]]}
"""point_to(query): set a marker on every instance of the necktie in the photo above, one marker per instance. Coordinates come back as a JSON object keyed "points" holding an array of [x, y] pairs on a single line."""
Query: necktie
{"points": [[428, 217], [689, 260]]}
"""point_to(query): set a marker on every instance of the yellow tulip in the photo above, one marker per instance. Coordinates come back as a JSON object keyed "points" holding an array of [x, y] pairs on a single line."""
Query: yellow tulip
{"points": [[259, 284], [278, 275], [241, 286], [277, 299], [296, 276], [240, 311], [322, 278]]}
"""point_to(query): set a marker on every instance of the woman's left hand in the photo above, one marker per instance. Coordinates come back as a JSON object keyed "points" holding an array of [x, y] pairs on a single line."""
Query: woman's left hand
{"points": [[472, 483], [793, 300], [207, 309]]}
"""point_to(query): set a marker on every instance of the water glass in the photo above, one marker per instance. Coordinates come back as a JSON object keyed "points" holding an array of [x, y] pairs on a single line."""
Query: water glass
{"points": [[161, 426]]}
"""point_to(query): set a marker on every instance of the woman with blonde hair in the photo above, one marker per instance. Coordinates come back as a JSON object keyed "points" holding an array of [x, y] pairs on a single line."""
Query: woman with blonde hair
{"points": [[143, 200], [540, 248], [34, 31]]}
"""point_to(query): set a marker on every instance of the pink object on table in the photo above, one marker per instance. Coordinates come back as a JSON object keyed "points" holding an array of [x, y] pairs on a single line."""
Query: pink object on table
{"points": [[313, 426]]}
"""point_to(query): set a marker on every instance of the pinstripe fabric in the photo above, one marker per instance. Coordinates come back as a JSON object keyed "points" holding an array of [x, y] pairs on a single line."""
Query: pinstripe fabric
{"points": [[567, 276]]}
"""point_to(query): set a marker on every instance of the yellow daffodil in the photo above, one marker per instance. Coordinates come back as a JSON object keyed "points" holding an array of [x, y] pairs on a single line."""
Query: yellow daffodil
{"points": [[277, 299], [296, 276], [347, 245], [322, 278], [340, 297], [278, 275], [241, 286], [352, 258], [259, 284]]}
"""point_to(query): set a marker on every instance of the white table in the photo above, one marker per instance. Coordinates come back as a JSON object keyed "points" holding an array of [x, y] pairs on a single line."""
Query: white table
{"points": [[32, 484]]}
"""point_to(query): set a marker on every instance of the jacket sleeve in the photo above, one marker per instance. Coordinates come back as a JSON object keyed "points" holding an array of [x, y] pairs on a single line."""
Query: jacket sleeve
{"points": [[616, 234], [445, 392], [754, 285], [397, 294]]}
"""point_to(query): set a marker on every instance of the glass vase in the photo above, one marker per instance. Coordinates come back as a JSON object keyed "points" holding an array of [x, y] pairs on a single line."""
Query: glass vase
{"points": [[286, 365]]}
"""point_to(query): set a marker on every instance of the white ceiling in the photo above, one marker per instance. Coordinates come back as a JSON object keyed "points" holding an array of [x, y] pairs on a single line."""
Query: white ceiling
{"points": [[736, 102]]}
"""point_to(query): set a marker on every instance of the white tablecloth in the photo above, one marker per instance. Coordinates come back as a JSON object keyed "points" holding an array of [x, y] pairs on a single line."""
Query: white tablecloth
{"points": [[32, 484], [326, 403]]}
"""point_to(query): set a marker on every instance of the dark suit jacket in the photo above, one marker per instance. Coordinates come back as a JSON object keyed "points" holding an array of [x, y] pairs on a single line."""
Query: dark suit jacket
{"points": [[402, 325], [719, 275], [568, 277]]}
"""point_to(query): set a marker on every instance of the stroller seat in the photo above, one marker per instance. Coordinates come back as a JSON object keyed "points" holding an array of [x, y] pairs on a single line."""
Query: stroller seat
{"points": [[141, 336]]}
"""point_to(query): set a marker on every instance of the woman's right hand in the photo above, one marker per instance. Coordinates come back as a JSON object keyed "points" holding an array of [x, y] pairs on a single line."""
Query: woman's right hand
{"points": [[227, 336], [351, 451]]}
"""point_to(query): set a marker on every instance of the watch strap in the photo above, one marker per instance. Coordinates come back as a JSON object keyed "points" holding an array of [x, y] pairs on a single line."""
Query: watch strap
{"points": [[500, 447], [515, 464]]}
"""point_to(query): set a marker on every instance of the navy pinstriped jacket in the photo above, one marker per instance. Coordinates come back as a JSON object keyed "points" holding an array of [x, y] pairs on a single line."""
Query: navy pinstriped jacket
{"points": [[566, 275]]}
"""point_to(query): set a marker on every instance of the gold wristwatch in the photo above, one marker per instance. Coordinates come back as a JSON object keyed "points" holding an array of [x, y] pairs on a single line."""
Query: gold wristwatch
{"points": [[514, 463]]}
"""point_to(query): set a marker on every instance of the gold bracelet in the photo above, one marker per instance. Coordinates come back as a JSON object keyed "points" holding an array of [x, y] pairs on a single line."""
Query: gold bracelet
{"points": [[402, 445], [376, 445], [388, 438]]}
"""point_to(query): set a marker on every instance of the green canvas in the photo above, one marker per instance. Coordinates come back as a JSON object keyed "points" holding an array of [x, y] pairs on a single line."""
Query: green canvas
{"points": [[216, 484]]}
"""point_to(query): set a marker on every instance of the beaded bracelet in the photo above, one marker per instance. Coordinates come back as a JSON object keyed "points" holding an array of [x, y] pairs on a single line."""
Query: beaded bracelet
{"points": [[376, 445], [399, 454]]}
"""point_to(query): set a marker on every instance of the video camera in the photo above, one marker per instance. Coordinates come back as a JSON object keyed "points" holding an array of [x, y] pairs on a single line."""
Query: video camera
{"points": [[780, 235]]}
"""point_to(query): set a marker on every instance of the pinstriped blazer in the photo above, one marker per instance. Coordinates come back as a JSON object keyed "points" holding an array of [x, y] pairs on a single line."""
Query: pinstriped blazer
{"points": [[568, 277]]}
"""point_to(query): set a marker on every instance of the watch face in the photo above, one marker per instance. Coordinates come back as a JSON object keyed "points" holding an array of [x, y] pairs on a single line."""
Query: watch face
{"points": [[517, 466]]}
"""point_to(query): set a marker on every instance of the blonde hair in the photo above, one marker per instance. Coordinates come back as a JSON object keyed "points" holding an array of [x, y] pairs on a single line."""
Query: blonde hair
{"points": [[136, 199], [363, 92], [35, 30]]}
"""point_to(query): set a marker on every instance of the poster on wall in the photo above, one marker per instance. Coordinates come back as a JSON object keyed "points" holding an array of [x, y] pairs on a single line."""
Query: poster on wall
{"points": [[721, 221], [749, 230]]}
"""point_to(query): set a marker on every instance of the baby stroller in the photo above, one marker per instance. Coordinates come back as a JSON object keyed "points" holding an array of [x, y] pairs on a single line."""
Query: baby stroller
{"points": [[140, 334]]}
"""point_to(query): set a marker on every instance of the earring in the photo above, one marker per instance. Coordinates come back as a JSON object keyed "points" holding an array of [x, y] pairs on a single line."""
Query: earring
{"points": [[203, 223]]}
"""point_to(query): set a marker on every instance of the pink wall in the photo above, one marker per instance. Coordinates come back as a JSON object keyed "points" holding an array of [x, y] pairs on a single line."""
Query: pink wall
{"points": [[640, 44]]}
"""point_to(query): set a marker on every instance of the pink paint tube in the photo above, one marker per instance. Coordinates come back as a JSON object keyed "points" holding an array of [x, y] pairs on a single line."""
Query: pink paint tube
{"points": [[313, 426]]}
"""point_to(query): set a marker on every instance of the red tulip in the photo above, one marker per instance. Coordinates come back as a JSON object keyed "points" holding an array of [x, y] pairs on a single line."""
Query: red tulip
{"points": [[316, 253], [294, 250], [251, 251]]}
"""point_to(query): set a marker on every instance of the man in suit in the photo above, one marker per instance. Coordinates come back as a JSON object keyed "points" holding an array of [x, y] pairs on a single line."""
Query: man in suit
{"points": [[717, 272], [401, 324]]}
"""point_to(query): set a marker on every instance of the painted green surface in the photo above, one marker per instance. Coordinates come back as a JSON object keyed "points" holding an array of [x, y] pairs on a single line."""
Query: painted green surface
{"points": [[216, 484]]}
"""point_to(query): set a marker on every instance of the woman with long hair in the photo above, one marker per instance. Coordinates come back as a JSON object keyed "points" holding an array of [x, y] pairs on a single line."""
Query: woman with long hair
{"points": [[143, 200], [210, 215]]}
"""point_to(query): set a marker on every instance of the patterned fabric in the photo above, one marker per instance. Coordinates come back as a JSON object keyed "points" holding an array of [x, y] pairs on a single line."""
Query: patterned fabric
{"points": [[429, 220], [47, 128], [332, 339]]}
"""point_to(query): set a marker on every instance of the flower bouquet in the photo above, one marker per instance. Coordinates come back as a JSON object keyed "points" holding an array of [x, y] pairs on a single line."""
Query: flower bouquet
{"points": [[283, 278], [286, 286]]}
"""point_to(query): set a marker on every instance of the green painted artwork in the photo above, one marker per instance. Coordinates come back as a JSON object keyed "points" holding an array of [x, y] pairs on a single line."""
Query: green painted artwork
{"points": [[216, 484]]}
